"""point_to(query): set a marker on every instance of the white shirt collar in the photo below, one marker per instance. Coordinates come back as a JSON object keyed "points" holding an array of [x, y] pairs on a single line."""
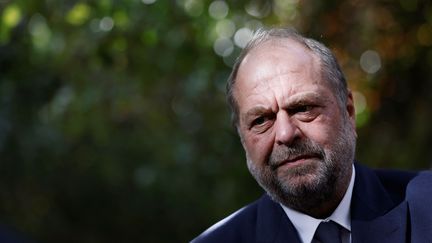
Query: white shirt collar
{"points": [[307, 225]]}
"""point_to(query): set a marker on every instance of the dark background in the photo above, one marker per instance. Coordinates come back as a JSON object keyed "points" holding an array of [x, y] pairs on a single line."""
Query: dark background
{"points": [[113, 121]]}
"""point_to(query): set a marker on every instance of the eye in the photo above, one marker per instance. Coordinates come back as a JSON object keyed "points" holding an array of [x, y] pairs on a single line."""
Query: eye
{"points": [[301, 109], [259, 121], [305, 113]]}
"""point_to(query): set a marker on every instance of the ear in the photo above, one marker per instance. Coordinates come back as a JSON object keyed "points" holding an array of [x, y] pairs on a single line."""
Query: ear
{"points": [[350, 109]]}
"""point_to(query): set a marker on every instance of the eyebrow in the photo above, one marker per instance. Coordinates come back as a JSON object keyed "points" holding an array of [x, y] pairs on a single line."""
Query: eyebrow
{"points": [[305, 98], [259, 110]]}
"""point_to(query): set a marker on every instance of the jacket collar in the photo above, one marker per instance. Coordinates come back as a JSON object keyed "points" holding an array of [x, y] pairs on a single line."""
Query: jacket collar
{"points": [[273, 225]]}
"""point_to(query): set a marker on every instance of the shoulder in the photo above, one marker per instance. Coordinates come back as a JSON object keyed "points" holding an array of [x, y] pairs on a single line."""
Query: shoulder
{"points": [[406, 185], [393, 182], [419, 198], [396, 181], [237, 227], [412, 183], [420, 187]]}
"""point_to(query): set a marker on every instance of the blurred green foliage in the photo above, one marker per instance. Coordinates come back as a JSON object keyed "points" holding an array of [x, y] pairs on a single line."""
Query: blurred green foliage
{"points": [[113, 122]]}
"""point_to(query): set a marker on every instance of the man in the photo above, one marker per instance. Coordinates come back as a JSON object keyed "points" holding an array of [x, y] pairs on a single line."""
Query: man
{"points": [[296, 120]]}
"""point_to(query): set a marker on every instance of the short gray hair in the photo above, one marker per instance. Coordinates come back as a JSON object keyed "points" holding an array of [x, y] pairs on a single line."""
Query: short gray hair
{"points": [[330, 69]]}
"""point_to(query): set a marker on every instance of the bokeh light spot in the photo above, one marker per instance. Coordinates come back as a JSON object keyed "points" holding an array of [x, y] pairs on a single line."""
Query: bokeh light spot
{"points": [[242, 37], [11, 15], [218, 9], [40, 32], [258, 9], [286, 9], [149, 37], [370, 61], [148, 1], [106, 24], [223, 46], [193, 8], [78, 14], [121, 19], [225, 28]]}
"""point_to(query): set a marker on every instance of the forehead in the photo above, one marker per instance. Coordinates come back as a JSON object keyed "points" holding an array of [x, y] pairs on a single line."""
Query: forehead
{"points": [[283, 60], [279, 48]]}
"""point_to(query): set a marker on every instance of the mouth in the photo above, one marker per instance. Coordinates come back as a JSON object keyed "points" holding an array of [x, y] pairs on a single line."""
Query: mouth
{"points": [[291, 162]]}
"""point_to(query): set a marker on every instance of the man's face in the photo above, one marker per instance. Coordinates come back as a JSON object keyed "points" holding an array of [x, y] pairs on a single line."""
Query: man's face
{"points": [[299, 142]]}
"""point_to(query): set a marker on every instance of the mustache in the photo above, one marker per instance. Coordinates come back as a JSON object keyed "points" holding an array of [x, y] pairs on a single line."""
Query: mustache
{"points": [[299, 148]]}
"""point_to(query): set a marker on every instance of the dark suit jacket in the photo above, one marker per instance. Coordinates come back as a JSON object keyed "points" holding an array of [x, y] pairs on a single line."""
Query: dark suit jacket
{"points": [[386, 206]]}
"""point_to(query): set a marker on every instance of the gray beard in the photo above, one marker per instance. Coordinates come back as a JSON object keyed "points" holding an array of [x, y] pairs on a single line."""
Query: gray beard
{"points": [[325, 174]]}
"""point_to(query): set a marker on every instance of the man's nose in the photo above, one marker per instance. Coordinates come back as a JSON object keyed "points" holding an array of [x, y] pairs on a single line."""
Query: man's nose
{"points": [[286, 131]]}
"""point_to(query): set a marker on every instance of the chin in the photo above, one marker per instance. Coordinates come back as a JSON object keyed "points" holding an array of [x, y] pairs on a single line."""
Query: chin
{"points": [[309, 178], [298, 183]]}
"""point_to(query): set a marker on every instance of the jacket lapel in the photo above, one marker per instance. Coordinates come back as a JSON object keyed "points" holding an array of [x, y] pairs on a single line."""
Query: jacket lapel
{"points": [[374, 216]]}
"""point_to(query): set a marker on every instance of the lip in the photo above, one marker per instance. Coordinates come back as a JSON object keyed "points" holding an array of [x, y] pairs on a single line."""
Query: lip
{"points": [[295, 161]]}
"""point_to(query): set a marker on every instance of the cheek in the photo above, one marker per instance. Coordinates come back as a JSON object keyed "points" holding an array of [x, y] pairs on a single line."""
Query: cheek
{"points": [[322, 132], [258, 147], [327, 133]]}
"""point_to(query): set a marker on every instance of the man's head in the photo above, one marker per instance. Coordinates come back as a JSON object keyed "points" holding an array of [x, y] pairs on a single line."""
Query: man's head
{"points": [[295, 118]]}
